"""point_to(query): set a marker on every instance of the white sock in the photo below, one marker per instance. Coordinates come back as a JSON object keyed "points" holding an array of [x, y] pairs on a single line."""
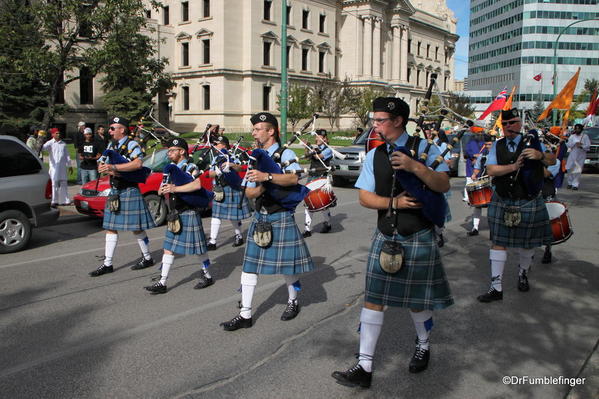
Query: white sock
{"points": [[476, 214], [205, 262], [308, 222], [497, 258], [167, 262], [236, 224], [214, 227], [248, 284], [526, 257], [423, 321], [292, 287], [326, 215], [371, 323], [143, 242], [111, 242]]}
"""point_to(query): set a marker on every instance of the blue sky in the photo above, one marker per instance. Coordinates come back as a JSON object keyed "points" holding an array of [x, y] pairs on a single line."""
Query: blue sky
{"points": [[461, 9]]}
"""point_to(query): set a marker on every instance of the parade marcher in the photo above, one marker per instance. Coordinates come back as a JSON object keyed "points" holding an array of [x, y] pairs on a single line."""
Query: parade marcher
{"points": [[517, 214], [579, 144], [471, 152], [191, 239], [549, 194], [287, 253], [88, 153], [59, 162], [478, 172], [132, 214], [324, 153], [226, 208], [77, 141], [418, 281]]}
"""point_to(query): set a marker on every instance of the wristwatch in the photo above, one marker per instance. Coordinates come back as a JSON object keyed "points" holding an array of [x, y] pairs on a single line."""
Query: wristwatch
{"points": [[269, 177]]}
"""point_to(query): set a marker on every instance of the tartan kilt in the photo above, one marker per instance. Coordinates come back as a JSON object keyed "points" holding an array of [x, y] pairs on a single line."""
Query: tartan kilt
{"points": [[133, 214], [288, 253], [533, 231], [191, 239], [229, 208], [420, 284]]}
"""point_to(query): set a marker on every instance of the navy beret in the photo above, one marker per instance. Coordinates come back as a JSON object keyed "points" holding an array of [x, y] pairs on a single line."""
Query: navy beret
{"points": [[392, 105], [119, 120], [264, 117]]}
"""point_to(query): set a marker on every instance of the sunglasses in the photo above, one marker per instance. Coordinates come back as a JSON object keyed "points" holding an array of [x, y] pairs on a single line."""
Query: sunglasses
{"points": [[509, 123]]}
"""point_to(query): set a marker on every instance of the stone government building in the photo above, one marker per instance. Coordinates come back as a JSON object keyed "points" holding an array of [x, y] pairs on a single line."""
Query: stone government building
{"points": [[225, 55]]}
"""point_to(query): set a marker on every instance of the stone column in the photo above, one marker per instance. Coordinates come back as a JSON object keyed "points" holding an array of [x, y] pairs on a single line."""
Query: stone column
{"points": [[396, 57], [376, 48], [404, 55], [359, 46], [367, 58]]}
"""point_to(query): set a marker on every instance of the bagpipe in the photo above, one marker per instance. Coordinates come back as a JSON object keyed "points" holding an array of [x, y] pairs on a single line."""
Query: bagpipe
{"points": [[530, 167], [112, 157], [197, 199], [230, 176]]}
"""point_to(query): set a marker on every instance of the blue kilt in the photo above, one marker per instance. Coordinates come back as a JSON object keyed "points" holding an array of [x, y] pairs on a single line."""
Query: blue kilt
{"points": [[288, 253], [229, 208], [420, 284], [133, 214], [533, 231], [191, 239]]}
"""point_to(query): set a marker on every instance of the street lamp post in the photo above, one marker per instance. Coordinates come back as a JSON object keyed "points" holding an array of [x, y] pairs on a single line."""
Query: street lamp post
{"points": [[555, 60]]}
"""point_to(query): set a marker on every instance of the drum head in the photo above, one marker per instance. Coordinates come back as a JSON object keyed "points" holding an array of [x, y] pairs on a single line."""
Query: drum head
{"points": [[317, 184], [555, 209]]}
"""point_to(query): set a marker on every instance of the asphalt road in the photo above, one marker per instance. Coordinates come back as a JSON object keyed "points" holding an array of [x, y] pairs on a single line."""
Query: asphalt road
{"points": [[66, 335]]}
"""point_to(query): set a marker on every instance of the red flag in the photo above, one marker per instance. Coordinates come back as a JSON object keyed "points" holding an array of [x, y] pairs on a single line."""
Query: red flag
{"points": [[592, 104], [496, 105], [538, 77], [593, 109]]}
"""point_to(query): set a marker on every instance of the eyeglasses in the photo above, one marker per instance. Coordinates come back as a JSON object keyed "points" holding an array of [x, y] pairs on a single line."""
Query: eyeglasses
{"points": [[509, 123], [115, 127], [380, 121], [174, 149], [258, 129]]}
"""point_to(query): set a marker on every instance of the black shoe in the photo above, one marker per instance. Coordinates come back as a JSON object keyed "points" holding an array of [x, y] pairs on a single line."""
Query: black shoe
{"points": [[523, 282], [355, 376], [307, 234], [546, 257], [236, 323], [238, 241], [574, 188], [54, 206], [156, 288], [473, 232], [419, 360], [569, 187], [291, 310], [440, 241], [492, 295], [211, 246], [326, 228], [203, 281], [143, 263], [101, 270]]}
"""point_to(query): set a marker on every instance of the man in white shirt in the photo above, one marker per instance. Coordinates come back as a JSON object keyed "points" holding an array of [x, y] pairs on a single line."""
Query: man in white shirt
{"points": [[59, 161], [578, 144]]}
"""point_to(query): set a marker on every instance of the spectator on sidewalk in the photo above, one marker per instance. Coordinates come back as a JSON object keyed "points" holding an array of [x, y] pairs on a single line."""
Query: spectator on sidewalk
{"points": [[59, 162], [88, 154], [102, 137], [77, 141]]}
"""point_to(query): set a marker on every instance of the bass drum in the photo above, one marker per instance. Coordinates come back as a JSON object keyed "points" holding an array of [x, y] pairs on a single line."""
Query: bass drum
{"points": [[321, 195], [373, 140], [560, 221]]}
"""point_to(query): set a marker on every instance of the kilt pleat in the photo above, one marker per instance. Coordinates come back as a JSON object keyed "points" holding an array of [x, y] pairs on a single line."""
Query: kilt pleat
{"points": [[420, 284], [533, 231], [191, 239], [229, 208], [133, 214], [288, 253]]}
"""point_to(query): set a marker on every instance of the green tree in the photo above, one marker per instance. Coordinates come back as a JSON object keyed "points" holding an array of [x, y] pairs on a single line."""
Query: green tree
{"points": [[301, 104], [460, 105], [360, 101], [22, 96], [330, 98]]}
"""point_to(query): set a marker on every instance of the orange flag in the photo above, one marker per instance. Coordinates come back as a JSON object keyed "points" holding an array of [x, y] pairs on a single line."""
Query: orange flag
{"points": [[506, 106], [564, 99], [565, 118]]}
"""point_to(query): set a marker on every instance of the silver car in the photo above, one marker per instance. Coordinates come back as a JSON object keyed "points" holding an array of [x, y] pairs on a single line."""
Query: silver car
{"points": [[348, 170], [26, 190]]}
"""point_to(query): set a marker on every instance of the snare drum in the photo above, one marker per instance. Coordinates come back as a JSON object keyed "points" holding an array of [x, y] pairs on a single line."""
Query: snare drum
{"points": [[321, 195], [560, 221], [479, 192]]}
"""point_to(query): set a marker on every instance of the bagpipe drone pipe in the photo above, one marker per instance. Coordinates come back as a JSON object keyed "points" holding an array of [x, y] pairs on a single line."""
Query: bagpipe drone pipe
{"points": [[231, 177], [114, 158], [198, 199]]}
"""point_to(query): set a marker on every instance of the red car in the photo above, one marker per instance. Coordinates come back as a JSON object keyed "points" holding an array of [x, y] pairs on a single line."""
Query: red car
{"points": [[92, 197]]}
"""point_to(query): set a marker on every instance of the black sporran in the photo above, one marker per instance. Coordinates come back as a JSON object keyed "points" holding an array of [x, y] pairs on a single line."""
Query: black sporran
{"points": [[263, 234], [114, 203], [391, 256], [173, 222], [512, 216], [219, 193]]}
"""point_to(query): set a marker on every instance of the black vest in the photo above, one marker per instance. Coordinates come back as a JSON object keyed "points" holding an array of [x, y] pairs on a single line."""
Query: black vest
{"points": [[504, 185], [315, 164], [408, 221], [266, 200]]}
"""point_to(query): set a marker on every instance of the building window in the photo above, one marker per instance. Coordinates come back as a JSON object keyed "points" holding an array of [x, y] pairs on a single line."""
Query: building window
{"points": [[266, 53], [321, 59], [166, 19], [206, 8], [267, 7], [265, 98], [427, 76], [184, 11], [206, 51], [305, 53], [322, 23], [437, 53], [185, 98], [206, 89], [418, 78], [305, 19], [418, 48], [185, 54], [409, 75], [445, 83], [288, 15], [86, 86], [289, 57], [148, 14], [410, 46], [428, 50]]}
